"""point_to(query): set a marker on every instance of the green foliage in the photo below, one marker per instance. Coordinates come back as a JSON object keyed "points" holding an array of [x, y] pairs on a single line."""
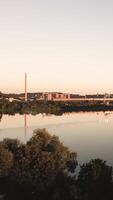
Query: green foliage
{"points": [[41, 160], [6, 161], [11, 144], [95, 180], [50, 107], [36, 165], [39, 170]]}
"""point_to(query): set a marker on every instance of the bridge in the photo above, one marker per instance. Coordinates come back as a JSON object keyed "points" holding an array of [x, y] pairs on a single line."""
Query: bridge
{"points": [[85, 99]]}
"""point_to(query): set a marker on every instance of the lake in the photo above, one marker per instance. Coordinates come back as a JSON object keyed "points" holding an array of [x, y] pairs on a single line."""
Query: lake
{"points": [[90, 134]]}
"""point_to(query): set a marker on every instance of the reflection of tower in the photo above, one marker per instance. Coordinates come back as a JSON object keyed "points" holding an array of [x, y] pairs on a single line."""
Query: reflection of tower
{"points": [[25, 126], [25, 86]]}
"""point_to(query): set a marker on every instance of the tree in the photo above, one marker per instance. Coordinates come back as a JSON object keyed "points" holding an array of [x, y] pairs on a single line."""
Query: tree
{"points": [[37, 165], [95, 180], [6, 161], [11, 144]]}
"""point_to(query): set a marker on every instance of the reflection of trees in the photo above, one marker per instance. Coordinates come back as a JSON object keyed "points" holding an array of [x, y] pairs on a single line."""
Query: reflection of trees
{"points": [[34, 108], [1, 116], [56, 108]]}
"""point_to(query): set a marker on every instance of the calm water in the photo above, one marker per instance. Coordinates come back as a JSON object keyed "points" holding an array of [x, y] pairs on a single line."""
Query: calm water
{"points": [[90, 134]]}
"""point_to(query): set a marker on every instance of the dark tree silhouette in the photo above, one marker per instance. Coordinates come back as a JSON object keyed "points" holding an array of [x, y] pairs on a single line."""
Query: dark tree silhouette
{"points": [[95, 180]]}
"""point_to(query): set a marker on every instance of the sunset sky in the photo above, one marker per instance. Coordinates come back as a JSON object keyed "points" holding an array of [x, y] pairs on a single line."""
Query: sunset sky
{"points": [[63, 45]]}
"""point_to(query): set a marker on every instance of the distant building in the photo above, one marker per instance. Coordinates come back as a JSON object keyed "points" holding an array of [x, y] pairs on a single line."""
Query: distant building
{"points": [[53, 96]]}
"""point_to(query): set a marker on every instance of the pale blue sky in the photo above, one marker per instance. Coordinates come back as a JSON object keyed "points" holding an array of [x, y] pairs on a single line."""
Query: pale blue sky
{"points": [[63, 45]]}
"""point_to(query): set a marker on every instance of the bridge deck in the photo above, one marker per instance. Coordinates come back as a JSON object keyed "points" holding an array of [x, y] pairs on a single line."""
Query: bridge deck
{"points": [[85, 99]]}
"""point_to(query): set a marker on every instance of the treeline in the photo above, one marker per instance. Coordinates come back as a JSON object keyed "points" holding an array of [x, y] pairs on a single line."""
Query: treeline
{"points": [[34, 107], [44, 169], [57, 108]]}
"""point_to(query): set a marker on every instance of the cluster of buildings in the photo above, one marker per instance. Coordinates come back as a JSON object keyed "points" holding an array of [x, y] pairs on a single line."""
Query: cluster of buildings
{"points": [[42, 96], [57, 96], [54, 96]]}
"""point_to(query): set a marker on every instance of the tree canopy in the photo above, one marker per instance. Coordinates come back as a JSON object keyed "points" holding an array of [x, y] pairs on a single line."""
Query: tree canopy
{"points": [[44, 169]]}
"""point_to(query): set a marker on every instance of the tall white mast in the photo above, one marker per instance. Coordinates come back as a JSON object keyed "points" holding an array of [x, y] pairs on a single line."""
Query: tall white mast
{"points": [[25, 86]]}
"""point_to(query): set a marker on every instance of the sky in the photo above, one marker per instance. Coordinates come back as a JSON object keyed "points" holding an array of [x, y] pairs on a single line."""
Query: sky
{"points": [[63, 45]]}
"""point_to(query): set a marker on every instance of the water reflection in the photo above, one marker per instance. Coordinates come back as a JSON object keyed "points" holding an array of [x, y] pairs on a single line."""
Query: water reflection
{"points": [[25, 126], [90, 134], [0, 116], [106, 113]]}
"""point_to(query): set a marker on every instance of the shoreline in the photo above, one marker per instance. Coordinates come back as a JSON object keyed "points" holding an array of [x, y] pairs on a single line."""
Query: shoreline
{"points": [[56, 108]]}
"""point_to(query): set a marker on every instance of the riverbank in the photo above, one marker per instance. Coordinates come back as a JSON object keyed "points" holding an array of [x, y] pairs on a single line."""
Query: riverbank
{"points": [[57, 108]]}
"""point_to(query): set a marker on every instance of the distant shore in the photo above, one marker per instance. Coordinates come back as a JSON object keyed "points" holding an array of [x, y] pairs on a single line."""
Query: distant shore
{"points": [[57, 108]]}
